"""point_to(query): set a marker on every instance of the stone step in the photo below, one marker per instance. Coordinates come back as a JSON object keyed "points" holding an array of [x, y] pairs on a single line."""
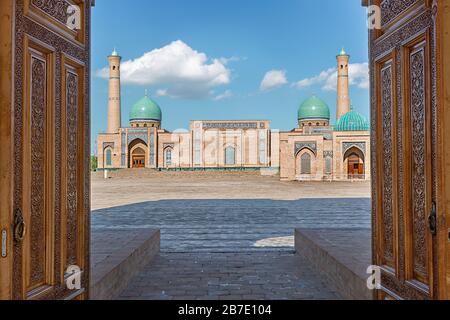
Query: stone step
{"points": [[117, 256], [342, 256]]}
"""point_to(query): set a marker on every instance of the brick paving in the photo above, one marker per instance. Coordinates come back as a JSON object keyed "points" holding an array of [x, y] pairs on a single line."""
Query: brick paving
{"points": [[228, 276], [234, 225], [237, 247]]}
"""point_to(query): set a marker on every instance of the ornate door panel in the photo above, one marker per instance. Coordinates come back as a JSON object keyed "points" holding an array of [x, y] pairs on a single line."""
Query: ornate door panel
{"points": [[51, 155], [404, 104]]}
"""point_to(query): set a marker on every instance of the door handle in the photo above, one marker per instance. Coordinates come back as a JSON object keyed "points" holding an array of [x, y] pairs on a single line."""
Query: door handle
{"points": [[4, 243], [19, 227], [432, 219]]}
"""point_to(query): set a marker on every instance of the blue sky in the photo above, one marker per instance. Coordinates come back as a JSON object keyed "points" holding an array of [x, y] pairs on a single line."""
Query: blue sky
{"points": [[206, 59]]}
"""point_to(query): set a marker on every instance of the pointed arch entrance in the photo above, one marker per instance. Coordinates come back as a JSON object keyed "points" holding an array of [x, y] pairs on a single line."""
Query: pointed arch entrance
{"points": [[355, 163], [138, 154]]}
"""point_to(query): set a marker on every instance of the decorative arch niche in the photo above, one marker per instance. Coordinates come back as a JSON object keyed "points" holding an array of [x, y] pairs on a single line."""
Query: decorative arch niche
{"points": [[168, 156], [354, 161], [137, 154], [107, 157], [305, 161]]}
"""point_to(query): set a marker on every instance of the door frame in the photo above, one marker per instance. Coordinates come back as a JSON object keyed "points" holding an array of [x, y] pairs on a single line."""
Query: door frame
{"points": [[138, 158], [6, 136], [441, 251], [443, 203]]}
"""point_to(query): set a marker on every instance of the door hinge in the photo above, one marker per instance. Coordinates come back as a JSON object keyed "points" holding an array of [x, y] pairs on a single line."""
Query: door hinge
{"points": [[4, 243], [433, 219]]}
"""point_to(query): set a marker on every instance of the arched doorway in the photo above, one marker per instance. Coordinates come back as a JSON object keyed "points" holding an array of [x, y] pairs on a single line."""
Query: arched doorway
{"points": [[137, 154], [138, 158], [354, 158]]}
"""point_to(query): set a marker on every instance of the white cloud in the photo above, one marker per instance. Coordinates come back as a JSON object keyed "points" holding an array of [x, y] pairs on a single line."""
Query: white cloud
{"points": [[227, 94], [320, 78], [161, 92], [182, 71], [273, 79], [358, 76]]}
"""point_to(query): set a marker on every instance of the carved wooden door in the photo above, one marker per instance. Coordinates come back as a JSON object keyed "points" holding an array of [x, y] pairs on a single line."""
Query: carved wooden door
{"points": [[50, 206], [404, 104]]}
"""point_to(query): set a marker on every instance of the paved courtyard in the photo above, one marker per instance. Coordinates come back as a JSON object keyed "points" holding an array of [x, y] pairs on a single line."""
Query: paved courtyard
{"points": [[226, 235], [228, 276]]}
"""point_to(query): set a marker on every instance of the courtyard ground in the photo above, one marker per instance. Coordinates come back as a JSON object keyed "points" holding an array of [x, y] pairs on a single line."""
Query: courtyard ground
{"points": [[226, 235]]}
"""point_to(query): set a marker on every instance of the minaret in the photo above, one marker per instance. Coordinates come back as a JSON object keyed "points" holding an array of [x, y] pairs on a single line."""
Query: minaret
{"points": [[114, 112], [343, 97]]}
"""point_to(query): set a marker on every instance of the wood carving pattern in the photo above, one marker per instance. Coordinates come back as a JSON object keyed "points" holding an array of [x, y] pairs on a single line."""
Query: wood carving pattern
{"points": [[87, 147], [373, 148], [38, 147], [390, 9], [54, 8], [24, 25], [381, 45], [58, 170], [415, 26], [18, 140], [434, 124], [387, 217], [418, 131], [400, 160], [72, 164]]}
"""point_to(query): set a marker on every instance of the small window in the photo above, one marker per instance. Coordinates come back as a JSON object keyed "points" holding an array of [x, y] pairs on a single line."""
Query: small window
{"points": [[230, 156], [328, 165], [108, 157], [168, 157], [306, 164]]}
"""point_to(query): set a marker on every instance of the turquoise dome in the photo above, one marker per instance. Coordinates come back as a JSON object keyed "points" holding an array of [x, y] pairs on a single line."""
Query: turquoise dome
{"points": [[342, 53], [146, 110], [352, 121], [313, 108]]}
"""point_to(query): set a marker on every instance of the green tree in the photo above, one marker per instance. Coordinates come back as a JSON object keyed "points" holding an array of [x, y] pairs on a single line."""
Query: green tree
{"points": [[94, 163]]}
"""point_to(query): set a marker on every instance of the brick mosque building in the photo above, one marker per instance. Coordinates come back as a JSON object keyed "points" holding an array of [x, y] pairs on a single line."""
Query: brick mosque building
{"points": [[315, 150]]}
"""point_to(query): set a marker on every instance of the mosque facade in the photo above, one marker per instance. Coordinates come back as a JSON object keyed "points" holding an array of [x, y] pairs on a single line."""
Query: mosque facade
{"points": [[315, 150]]}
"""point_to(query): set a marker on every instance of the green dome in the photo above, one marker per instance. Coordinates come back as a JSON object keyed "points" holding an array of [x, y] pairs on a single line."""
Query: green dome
{"points": [[313, 108], [146, 110], [352, 121]]}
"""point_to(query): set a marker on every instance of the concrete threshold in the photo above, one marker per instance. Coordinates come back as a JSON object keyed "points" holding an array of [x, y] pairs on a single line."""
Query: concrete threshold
{"points": [[342, 257], [117, 256]]}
